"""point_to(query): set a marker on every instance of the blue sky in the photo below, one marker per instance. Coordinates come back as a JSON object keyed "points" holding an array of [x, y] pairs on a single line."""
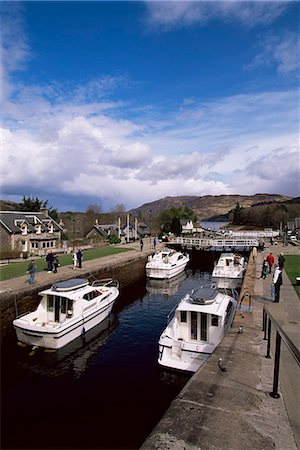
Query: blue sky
{"points": [[113, 103]]}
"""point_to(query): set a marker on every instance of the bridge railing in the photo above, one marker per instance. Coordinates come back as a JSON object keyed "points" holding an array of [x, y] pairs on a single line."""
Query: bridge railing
{"points": [[222, 242]]}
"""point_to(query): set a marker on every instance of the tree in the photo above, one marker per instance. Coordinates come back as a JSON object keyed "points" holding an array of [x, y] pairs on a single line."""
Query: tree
{"points": [[32, 204], [118, 208], [170, 218], [237, 213]]}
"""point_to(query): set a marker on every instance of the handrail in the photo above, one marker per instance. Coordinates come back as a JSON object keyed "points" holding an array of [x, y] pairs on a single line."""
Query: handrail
{"points": [[280, 335]]}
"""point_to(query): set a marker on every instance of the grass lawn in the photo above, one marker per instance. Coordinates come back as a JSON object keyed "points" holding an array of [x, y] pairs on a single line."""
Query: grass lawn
{"points": [[292, 268], [18, 269]]}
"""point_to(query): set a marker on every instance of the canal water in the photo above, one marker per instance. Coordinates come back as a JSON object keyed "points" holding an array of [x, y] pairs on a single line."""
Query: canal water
{"points": [[104, 392]]}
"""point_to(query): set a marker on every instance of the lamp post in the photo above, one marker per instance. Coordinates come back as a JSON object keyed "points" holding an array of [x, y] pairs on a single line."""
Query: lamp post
{"points": [[150, 216]]}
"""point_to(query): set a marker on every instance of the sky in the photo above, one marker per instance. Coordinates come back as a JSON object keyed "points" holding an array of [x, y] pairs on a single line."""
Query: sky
{"points": [[126, 102]]}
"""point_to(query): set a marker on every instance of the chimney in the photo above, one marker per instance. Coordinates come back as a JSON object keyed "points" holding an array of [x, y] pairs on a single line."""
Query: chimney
{"points": [[45, 211], [96, 222]]}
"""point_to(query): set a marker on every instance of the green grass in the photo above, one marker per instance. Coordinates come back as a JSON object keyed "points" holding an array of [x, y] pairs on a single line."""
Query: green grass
{"points": [[18, 269], [292, 268]]}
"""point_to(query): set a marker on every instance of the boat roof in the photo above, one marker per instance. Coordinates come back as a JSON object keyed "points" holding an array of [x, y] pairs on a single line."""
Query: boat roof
{"points": [[206, 299], [68, 287]]}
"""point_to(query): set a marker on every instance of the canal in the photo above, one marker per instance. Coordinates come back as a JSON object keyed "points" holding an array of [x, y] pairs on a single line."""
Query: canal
{"points": [[106, 392]]}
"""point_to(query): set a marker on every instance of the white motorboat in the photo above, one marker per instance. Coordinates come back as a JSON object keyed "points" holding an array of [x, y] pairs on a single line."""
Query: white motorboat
{"points": [[166, 263], [196, 327], [66, 311], [229, 271]]}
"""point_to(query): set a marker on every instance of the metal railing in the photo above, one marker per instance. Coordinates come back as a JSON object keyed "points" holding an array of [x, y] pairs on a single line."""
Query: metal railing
{"points": [[268, 322], [223, 242]]}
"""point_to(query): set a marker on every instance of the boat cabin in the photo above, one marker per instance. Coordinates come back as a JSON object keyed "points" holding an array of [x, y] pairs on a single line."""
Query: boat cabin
{"points": [[202, 316]]}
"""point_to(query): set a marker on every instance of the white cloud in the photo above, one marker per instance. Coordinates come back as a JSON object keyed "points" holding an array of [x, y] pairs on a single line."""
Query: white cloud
{"points": [[165, 15], [283, 52]]}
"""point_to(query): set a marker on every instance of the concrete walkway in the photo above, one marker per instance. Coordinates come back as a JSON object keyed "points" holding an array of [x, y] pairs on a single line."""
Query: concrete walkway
{"points": [[232, 409]]}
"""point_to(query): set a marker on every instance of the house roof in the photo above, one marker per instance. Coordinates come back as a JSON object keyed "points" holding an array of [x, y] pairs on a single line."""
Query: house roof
{"points": [[12, 221]]}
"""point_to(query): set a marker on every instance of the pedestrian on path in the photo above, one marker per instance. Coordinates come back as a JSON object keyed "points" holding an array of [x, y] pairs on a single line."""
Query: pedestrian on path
{"points": [[74, 259], [79, 258], [277, 282], [264, 269], [31, 269], [281, 261], [154, 243], [141, 244], [270, 261], [254, 253], [49, 259], [55, 263]]}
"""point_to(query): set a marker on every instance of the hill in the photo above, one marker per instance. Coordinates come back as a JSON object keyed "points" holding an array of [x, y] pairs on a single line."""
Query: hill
{"points": [[207, 206]]}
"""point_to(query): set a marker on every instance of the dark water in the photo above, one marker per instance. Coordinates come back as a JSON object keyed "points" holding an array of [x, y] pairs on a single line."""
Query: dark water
{"points": [[105, 393]]}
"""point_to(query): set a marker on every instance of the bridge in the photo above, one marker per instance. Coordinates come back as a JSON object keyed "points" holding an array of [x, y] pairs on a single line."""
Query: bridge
{"points": [[219, 244]]}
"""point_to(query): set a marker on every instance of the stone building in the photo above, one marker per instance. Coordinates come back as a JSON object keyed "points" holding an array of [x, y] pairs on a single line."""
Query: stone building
{"points": [[28, 233]]}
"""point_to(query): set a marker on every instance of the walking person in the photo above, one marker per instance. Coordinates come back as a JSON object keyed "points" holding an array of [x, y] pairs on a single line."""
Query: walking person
{"points": [[154, 243], [49, 259], [74, 260], [277, 282], [55, 263], [31, 269], [264, 269], [270, 261], [79, 258], [281, 261], [141, 244]]}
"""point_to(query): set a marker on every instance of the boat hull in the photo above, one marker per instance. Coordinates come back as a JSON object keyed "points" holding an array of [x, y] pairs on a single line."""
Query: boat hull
{"points": [[179, 358], [56, 337], [165, 272], [227, 282]]}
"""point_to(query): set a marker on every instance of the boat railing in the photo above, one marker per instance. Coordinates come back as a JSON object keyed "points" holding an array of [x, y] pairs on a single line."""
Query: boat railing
{"points": [[108, 282], [171, 314]]}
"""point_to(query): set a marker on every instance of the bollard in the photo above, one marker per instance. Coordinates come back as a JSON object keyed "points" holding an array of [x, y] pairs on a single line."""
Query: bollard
{"points": [[275, 393], [269, 339]]}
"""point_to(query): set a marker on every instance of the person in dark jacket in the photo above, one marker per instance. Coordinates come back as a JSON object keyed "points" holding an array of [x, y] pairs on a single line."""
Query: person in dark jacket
{"points": [[281, 261], [55, 263], [79, 258], [31, 269], [49, 259]]}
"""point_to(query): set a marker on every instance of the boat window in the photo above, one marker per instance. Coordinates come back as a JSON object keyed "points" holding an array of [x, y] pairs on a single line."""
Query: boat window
{"points": [[183, 317], [50, 303], [70, 307], [203, 327], [91, 295], [63, 305], [193, 325], [214, 320]]}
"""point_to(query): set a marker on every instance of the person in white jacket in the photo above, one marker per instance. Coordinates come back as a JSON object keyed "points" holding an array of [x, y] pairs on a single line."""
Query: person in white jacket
{"points": [[74, 259], [277, 282]]}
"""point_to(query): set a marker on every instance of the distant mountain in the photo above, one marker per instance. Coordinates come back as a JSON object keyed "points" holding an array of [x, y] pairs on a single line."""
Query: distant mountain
{"points": [[207, 206]]}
